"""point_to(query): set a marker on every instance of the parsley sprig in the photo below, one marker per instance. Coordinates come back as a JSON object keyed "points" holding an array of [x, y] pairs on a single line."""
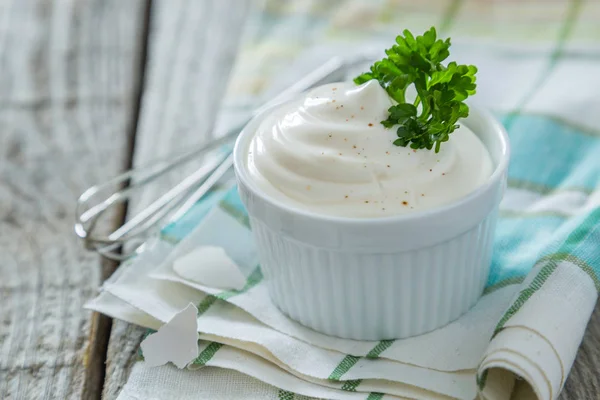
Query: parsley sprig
{"points": [[441, 90]]}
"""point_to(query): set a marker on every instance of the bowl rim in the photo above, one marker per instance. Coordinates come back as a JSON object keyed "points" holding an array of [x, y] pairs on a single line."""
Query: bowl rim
{"points": [[243, 176]]}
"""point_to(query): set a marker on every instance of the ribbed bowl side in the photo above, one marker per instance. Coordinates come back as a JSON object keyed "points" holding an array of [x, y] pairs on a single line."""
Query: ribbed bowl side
{"points": [[376, 296]]}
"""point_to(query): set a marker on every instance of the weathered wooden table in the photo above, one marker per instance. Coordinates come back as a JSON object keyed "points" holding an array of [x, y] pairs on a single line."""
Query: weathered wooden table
{"points": [[89, 88]]}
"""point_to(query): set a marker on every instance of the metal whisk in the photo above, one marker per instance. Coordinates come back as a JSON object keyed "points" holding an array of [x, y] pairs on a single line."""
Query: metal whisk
{"points": [[128, 240]]}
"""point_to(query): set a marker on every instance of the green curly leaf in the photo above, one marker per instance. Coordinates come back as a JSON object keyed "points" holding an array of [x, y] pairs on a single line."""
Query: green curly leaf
{"points": [[441, 90]]}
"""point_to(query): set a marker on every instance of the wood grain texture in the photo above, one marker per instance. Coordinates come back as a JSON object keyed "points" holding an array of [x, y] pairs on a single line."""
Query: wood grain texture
{"points": [[192, 46], [66, 74]]}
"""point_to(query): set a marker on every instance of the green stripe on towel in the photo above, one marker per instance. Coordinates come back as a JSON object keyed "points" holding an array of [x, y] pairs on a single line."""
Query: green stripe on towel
{"points": [[349, 361], [343, 367], [254, 279], [575, 238], [350, 386], [380, 348], [285, 395], [375, 396], [526, 293], [206, 303], [207, 353], [558, 257]]}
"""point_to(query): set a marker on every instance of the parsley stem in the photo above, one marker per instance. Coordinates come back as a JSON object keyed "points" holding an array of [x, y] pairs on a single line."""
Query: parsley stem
{"points": [[402, 96]]}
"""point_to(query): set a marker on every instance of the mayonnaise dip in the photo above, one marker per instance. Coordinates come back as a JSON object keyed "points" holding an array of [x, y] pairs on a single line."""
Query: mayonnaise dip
{"points": [[328, 153]]}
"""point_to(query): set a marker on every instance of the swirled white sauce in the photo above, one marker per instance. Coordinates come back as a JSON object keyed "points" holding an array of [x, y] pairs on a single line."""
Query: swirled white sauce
{"points": [[328, 153]]}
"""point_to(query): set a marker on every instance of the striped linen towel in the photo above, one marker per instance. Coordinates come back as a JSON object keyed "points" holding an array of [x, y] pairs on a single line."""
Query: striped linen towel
{"points": [[538, 75], [445, 363]]}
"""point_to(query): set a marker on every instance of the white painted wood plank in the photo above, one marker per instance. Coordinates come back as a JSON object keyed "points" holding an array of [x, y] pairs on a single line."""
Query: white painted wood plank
{"points": [[66, 88]]}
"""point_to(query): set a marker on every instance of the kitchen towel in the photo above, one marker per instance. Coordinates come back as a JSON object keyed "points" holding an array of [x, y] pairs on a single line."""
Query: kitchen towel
{"points": [[522, 337], [536, 325]]}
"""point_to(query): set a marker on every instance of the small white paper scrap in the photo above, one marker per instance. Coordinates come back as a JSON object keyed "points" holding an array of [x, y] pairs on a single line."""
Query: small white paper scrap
{"points": [[176, 341], [210, 266]]}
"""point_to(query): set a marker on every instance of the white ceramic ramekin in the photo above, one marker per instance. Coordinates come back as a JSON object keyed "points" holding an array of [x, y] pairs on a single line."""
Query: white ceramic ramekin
{"points": [[377, 278]]}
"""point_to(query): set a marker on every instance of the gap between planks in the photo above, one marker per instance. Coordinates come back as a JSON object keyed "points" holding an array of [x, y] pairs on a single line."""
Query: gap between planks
{"points": [[101, 325]]}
